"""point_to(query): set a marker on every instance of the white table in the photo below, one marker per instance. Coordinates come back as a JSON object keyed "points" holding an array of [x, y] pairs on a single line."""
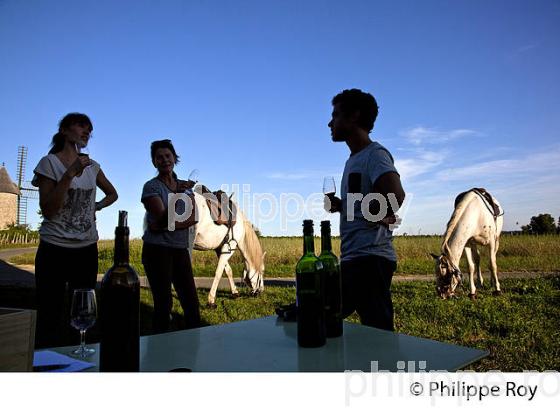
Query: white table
{"points": [[269, 344]]}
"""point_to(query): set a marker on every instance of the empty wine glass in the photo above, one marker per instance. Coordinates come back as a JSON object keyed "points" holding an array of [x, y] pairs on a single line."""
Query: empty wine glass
{"points": [[329, 187], [194, 175], [82, 316], [82, 151]]}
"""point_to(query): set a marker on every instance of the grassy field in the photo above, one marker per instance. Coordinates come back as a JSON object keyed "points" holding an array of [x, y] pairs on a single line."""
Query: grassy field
{"points": [[517, 253], [520, 329], [18, 245]]}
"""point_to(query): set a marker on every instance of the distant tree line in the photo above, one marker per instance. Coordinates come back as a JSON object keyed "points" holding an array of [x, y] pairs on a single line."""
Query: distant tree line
{"points": [[542, 224]]}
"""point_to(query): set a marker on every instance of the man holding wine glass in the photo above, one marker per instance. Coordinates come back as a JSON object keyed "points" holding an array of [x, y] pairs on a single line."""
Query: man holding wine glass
{"points": [[368, 259]]}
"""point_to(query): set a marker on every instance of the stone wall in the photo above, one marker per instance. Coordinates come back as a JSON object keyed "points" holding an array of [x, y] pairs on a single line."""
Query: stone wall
{"points": [[8, 209]]}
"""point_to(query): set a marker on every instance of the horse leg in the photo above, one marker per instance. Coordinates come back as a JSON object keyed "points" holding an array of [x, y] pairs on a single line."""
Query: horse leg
{"points": [[470, 262], [476, 257], [229, 273], [222, 261], [494, 267]]}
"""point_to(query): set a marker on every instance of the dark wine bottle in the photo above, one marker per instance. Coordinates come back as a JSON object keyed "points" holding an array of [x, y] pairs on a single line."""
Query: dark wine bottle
{"points": [[310, 293], [120, 309], [333, 297]]}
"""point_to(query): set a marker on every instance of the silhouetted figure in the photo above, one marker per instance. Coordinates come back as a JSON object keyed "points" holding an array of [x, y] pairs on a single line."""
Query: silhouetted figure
{"points": [[165, 253], [368, 259], [67, 254]]}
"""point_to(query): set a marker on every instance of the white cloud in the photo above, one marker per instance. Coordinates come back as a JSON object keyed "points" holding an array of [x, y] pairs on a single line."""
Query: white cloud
{"points": [[527, 47], [531, 164], [417, 161], [525, 186], [301, 175], [423, 135], [288, 176]]}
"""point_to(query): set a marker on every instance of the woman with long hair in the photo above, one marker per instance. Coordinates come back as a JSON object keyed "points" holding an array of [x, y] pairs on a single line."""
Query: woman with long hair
{"points": [[67, 254]]}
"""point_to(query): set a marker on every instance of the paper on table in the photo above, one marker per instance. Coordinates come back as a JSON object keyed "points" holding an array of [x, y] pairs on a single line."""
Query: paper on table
{"points": [[47, 357]]}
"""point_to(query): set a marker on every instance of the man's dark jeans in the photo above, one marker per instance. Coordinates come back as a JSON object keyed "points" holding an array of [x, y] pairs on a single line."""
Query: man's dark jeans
{"points": [[366, 289]]}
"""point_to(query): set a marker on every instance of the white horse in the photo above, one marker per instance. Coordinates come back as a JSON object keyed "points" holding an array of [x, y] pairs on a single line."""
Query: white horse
{"points": [[206, 235], [472, 223]]}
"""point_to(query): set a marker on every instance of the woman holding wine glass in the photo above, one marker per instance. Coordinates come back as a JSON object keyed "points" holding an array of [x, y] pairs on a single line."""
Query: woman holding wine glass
{"points": [[165, 254], [67, 254]]}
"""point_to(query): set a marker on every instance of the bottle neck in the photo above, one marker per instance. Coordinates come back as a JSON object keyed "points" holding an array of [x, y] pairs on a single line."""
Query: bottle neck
{"points": [[326, 244], [121, 246], [308, 245]]}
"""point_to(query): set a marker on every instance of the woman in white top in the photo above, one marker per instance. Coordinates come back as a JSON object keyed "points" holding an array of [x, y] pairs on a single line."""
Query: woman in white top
{"points": [[67, 254]]}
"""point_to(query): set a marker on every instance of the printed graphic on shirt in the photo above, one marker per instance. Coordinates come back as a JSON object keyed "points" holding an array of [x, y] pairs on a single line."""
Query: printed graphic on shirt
{"points": [[75, 214]]}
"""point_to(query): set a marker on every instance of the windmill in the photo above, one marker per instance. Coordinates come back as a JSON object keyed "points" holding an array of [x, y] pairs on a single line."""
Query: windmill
{"points": [[26, 190]]}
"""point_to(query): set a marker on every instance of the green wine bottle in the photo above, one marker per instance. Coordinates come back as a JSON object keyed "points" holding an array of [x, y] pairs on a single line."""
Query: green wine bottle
{"points": [[333, 297], [310, 293], [120, 309]]}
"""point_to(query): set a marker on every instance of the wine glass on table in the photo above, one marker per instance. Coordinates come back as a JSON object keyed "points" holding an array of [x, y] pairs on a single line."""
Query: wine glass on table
{"points": [[329, 189], [82, 316]]}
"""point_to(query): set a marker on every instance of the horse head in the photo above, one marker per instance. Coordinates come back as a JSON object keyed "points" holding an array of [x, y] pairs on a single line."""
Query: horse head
{"points": [[448, 276], [253, 276]]}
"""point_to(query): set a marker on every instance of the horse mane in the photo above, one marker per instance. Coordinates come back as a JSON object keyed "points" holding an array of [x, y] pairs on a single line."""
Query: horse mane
{"points": [[253, 250], [452, 224]]}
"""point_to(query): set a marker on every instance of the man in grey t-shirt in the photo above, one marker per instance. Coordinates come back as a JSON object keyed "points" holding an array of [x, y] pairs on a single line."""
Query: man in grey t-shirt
{"points": [[369, 183]]}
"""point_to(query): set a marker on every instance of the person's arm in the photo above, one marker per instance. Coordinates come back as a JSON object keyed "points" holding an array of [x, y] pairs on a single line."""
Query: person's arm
{"points": [[154, 206], [51, 193], [388, 183], [108, 189]]}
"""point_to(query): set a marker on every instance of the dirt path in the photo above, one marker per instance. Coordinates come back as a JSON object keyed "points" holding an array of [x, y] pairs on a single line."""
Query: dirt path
{"points": [[6, 254], [24, 276]]}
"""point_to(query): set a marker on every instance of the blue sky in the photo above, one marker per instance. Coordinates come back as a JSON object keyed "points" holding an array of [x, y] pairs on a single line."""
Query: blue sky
{"points": [[468, 93]]}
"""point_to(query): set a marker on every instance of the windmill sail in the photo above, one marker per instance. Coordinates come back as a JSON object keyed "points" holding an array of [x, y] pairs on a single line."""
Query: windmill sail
{"points": [[26, 190]]}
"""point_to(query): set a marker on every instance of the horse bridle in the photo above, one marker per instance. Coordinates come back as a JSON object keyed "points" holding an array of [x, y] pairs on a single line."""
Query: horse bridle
{"points": [[453, 272], [259, 280]]}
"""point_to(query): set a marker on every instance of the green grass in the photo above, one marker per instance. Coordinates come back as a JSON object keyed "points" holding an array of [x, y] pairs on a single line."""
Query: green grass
{"points": [[517, 253], [520, 329]]}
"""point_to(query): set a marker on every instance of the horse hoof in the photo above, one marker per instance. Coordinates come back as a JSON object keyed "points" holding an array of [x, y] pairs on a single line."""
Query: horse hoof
{"points": [[255, 294], [472, 296], [211, 305], [497, 293], [235, 295]]}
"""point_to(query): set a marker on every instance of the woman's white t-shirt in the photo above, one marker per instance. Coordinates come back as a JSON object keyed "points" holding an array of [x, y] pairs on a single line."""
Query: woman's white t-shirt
{"points": [[73, 226]]}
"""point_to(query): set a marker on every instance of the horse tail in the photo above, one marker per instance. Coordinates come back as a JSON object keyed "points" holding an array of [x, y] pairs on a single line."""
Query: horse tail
{"points": [[253, 250], [452, 224]]}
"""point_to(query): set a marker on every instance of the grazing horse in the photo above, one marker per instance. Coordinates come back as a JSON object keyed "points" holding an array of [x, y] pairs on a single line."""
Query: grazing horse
{"points": [[476, 220], [207, 235]]}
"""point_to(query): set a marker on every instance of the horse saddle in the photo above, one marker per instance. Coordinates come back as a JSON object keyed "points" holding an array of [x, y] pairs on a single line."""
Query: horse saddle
{"points": [[492, 206], [222, 208]]}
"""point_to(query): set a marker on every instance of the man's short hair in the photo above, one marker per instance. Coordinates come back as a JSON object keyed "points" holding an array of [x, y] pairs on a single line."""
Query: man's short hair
{"points": [[356, 100]]}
